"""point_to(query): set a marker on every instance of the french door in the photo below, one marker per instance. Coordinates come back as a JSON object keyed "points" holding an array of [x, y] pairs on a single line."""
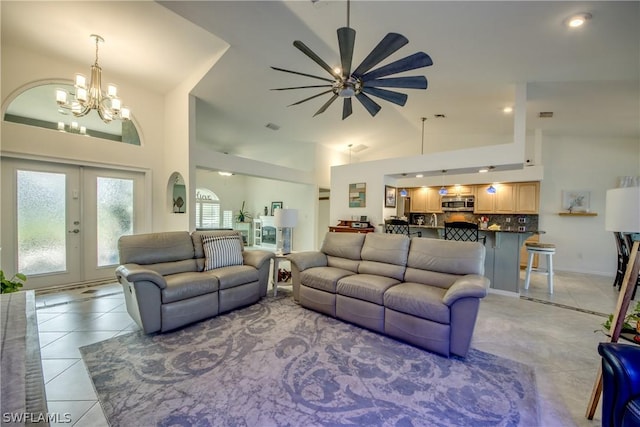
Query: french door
{"points": [[61, 223]]}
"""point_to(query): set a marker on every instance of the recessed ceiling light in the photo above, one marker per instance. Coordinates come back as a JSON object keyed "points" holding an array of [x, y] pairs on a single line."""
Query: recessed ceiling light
{"points": [[507, 110], [223, 173], [577, 20], [419, 175], [484, 170]]}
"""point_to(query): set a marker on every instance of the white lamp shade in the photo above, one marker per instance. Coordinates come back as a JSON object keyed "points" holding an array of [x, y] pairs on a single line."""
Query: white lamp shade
{"points": [[622, 212], [285, 218]]}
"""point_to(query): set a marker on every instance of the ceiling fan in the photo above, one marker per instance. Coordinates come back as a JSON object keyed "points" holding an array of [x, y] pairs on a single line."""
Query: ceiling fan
{"points": [[363, 81]]}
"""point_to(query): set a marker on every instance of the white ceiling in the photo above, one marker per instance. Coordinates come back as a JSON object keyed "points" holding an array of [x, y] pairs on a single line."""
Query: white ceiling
{"points": [[589, 77]]}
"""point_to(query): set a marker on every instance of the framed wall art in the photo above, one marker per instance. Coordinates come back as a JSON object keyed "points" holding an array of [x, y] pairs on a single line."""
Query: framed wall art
{"points": [[275, 205], [390, 194], [576, 200], [358, 195]]}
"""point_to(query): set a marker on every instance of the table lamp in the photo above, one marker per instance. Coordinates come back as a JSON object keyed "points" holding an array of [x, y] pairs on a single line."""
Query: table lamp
{"points": [[285, 220], [622, 212]]}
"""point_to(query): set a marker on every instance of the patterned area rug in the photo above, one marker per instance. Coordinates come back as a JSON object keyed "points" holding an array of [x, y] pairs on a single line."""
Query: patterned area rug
{"points": [[277, 364]]}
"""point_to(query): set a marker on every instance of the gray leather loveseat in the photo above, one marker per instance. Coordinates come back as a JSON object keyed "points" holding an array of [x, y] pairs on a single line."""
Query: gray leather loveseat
{"points": [[423, 291], [169, 282]]}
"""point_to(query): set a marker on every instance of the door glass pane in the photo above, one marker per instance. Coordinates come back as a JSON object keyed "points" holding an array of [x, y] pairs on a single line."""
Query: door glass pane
{"points": [[115, 217], [41, 222]]}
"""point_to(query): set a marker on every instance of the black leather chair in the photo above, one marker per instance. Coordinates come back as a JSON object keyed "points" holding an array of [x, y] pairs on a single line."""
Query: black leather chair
{"points": [[399, 226], [620, 384], [624, 243], [463, 231]]}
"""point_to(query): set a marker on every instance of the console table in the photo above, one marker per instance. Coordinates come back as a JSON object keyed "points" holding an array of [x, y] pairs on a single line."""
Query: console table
{"points": [[352, 226]]}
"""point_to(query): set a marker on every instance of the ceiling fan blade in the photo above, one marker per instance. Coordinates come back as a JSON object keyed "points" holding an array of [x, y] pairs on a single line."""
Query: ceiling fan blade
{"points": [[303, 74], [346, 41], [417, 60], [413, 82], [388, 45], [309, 98], [303, 47], [368, 103], [326, 105], [388, 95], [301, 87], [346, 108]]}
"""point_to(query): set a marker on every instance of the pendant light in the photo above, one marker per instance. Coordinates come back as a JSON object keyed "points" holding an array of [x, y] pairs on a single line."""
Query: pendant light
{"points": [[443, 191], [491, 189]]}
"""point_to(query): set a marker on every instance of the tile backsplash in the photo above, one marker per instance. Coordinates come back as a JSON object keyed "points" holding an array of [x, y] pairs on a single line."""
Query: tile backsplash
{"points": [[506, 222]]}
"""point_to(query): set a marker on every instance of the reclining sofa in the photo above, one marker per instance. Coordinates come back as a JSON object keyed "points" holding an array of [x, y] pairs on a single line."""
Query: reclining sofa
{"points": [[173, 279], [423, 291]]}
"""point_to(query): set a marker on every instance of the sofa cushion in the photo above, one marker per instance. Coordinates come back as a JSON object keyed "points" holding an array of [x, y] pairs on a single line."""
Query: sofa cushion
{"points": [[343, 263], [153, 248], [447, 256], [323, 278], [221, 251], [188, 285], [343, 245], [196, 238], [432, 278], [235, 275], [365, 287], [418, 300], [387, 248]]}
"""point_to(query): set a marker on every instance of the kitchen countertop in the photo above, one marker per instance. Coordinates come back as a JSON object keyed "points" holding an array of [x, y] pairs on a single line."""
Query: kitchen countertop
{"points": [[441, 227]]}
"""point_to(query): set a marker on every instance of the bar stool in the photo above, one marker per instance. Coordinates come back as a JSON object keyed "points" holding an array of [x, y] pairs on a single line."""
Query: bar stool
{"points": [[547, 249]]}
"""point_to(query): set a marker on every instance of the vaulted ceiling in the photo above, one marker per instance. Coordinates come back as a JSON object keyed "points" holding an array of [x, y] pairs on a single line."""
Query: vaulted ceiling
{"points": [[588, 77]]}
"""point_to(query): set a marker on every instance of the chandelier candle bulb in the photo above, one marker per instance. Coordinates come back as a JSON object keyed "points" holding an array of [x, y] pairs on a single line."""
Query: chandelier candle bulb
{"points": [[115, 104], [112, 90], [81, 81], [61, 96]]}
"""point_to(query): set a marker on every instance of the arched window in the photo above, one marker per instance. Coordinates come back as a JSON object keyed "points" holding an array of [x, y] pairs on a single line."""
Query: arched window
{"points": [[207, 209], [36, 106]]}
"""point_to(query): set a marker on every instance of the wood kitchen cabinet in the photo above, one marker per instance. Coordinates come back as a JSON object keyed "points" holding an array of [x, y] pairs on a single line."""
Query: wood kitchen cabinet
{"points": [[509, 198], [502, 201], [524, 255], [528, 197], [460, 190], [425, 199]]}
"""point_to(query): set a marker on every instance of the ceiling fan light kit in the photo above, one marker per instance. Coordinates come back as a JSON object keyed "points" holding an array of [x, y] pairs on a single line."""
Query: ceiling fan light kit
{"points": [[363, 81]]}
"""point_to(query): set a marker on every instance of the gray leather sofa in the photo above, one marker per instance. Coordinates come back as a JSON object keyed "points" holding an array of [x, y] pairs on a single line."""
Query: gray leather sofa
{"points": [[423, 291], [165, 284]]}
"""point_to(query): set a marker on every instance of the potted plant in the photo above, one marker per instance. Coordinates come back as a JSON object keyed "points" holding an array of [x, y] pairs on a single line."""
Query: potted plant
{"points": [[12, 285], [631, 321], [242, 214]]}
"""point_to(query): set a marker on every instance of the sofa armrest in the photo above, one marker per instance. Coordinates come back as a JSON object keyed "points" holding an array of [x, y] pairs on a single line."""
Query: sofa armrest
{"points": [[470, 285], [257, 258], [136, 273], [304, 260]]}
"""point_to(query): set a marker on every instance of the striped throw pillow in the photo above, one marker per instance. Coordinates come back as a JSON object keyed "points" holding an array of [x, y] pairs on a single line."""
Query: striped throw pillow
{"points": [[221, 251]]}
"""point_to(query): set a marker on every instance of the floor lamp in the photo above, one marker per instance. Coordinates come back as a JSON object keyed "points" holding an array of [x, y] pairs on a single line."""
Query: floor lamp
{"points": [[285, 220], [622, 214]]}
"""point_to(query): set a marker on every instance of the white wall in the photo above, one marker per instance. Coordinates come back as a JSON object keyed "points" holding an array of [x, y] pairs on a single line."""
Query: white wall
{"points": [[579, 163]]}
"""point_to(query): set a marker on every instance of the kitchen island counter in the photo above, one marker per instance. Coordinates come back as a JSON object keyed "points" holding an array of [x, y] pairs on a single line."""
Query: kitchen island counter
{"points": [[502, 260]]}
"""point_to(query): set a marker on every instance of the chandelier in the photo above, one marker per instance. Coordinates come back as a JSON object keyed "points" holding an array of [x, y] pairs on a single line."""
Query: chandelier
{"points": [[87, 98]]}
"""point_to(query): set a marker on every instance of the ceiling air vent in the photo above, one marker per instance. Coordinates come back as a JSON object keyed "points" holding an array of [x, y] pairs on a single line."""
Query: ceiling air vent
{"points": [[358, 148], [545, 114], [272, 126]]}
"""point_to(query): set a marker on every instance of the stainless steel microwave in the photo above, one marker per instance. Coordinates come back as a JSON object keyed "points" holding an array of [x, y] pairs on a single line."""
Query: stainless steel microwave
{"points": [[458, 203]]}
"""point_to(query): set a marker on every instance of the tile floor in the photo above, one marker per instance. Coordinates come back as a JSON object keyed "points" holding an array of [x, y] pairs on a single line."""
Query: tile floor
{"points": [[557, 339]]}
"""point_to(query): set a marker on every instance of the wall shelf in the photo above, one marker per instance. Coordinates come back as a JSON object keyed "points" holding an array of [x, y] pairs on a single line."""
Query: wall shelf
{"points": [[577, 214]]}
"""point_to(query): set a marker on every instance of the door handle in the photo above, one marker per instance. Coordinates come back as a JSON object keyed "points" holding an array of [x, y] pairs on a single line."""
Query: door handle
{"points": [[75, 230]]}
